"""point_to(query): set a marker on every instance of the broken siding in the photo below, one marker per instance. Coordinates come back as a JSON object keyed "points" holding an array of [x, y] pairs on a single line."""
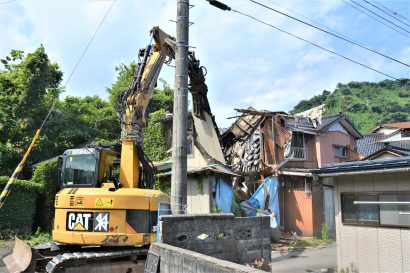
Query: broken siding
{"points": [[245, 156], [207, 136]]}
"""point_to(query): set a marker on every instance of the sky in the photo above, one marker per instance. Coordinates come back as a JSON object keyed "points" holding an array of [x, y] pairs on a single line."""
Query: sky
{"points": [[248, 63]]}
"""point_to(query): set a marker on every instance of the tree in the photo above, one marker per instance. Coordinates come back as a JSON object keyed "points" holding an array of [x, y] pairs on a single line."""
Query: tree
{"points": [[366, 103], [78, 121], [28, 87]]}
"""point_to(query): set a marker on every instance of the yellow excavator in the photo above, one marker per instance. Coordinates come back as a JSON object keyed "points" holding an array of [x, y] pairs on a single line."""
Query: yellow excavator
{"points": [[106, 212]]}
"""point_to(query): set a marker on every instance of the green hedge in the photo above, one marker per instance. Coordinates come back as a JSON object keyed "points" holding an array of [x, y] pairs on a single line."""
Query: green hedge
{"points": [[45, 175], [17, 213]]}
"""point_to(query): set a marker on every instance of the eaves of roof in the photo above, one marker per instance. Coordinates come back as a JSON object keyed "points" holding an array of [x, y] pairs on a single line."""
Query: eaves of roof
{"points": [[214, 168], [382, 164]]}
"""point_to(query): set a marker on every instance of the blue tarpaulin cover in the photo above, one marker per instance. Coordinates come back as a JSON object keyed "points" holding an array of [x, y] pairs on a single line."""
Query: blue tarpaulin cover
{"points": [[224, 195], [257, 200]]}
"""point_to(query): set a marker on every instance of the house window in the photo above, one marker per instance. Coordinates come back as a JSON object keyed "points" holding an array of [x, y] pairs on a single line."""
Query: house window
{"points": [[376, 209], [348, 208], [339, 151], [367, 213], [395, 214]]}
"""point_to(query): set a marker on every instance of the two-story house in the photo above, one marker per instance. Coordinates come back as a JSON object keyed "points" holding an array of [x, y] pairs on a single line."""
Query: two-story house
{"points": [[386, 141], [263, 143]]}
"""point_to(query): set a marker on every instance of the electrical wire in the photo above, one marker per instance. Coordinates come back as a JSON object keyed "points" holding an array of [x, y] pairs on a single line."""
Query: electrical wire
{"points": [[309, 19], [316, 45], [330, 33], [356, 8], [394, 17], [91, 40], [380, 16], [6, 2], [392, 11], [79, 61]]}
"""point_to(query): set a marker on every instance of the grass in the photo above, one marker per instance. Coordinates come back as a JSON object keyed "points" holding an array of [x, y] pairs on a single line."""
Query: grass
{"points": [[306, 242], [38, 237], [310, 242]]}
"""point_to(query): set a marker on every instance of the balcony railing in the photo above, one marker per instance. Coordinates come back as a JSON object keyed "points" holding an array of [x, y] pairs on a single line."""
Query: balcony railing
{"points": [[296, 153]]}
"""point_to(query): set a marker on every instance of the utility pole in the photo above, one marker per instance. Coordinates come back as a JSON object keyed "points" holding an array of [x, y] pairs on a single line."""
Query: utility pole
{"points": [[179, 127]]}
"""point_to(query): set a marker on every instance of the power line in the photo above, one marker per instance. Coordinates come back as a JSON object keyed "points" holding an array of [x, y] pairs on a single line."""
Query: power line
{"points": [[6, 2], [91, 40], [380, 16], [330, 33], [225, 7], [356, 8], [311, 20], [386, 13], [392, 11], [80, 59]]}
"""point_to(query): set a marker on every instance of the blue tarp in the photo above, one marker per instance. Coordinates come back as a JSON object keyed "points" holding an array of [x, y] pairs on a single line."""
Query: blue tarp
{"points": [[224, 195], [257, 200]]}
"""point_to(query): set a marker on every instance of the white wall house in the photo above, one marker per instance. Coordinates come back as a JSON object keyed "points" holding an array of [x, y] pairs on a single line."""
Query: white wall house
{"points": [[372, 214]]}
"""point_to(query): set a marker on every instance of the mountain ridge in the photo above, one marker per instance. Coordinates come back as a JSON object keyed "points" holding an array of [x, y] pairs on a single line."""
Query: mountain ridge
{"points": [[366, 104]]}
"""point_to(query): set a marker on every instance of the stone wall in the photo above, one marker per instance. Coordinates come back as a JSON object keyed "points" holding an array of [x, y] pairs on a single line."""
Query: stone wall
{"points": [[237, 239], [170, 259]]}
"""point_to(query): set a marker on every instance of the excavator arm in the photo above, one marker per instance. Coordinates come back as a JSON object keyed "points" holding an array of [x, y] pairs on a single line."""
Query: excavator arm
{"points": [[134, 105], [135, 102]]}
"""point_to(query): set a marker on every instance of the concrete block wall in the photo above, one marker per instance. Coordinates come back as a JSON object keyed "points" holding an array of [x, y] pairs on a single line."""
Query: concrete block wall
{"points": [[220, 235], [177, 260]]}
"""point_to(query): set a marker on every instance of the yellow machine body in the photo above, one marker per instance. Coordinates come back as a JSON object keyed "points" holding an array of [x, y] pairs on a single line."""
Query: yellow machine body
{"points": [[100, 216], [91, 209]]}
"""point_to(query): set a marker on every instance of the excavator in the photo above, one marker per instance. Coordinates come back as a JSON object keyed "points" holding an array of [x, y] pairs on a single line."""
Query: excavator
{"points": [[106, 211]]}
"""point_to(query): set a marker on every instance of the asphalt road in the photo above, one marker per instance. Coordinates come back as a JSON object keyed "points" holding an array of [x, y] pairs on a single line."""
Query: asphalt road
{"points": [[302, 261]]}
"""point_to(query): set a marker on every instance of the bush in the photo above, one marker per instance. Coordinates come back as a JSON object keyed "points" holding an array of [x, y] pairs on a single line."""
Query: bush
{"points": [[324, 232], [45, 175], [17, 213], [155, 143]]}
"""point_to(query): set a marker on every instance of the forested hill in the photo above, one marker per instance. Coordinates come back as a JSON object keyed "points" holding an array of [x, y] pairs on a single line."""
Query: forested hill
{"points": [[366, 104]]}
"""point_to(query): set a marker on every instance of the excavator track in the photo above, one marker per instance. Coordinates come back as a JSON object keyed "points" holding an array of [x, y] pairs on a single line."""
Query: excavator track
{"points": [[53, 257]]}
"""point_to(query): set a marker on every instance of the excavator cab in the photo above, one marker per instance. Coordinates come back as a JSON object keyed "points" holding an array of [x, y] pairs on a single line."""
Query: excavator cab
{"points": [[89, 167]]}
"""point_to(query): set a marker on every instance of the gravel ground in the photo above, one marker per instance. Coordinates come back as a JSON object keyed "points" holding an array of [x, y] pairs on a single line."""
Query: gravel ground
{"points": [[4, 250]]}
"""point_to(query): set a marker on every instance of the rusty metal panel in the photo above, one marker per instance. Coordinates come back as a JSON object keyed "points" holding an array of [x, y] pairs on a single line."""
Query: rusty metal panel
{"points": [[298, 211]]}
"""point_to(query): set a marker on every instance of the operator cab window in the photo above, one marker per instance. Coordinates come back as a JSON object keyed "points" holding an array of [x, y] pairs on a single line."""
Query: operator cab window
{"points": [[79, 170]]}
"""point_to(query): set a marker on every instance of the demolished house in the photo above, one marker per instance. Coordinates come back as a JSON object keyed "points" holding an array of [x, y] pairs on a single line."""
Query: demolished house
{"points": [[209, 179], [261, 144]]}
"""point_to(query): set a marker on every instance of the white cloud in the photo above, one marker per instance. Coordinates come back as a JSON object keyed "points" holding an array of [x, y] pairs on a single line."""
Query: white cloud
{"points": [[248, 63]]}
